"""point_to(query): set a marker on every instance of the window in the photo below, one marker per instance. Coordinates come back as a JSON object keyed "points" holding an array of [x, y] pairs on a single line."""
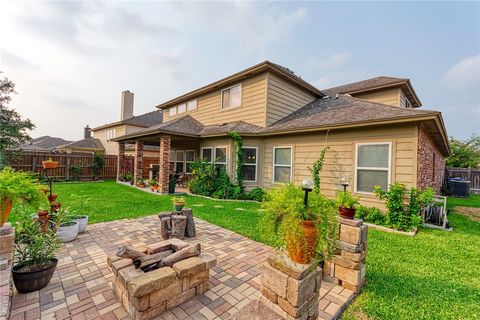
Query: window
{"points": [[372, 166], [220, 157], [407, 104], [282, 164], [249, 164], [232, 97], [192, 105], [172, 111], [111, 133], [181, 108], [207, 154], [189, 159]]}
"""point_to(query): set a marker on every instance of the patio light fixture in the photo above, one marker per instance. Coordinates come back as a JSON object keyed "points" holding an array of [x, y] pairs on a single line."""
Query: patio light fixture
{"points": [[345, 181], [307, 186]]}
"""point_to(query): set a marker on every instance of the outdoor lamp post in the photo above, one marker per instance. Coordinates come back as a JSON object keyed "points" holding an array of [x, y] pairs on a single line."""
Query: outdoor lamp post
{"points": [[307, 186], [345, 181]]}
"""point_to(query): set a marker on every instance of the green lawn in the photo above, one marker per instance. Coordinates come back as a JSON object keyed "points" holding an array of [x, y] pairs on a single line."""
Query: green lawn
{"points": [[472, 201], [434, 275]]}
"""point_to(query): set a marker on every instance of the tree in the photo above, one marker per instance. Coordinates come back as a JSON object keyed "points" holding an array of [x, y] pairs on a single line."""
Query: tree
{"points": [[465, 153], [13, 128]]}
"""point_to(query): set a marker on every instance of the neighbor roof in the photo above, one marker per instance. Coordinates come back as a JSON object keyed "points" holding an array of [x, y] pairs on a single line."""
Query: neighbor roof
{"points": [[283, 72], [374, 84], [44, 143], [145, 120], [87, 143]]}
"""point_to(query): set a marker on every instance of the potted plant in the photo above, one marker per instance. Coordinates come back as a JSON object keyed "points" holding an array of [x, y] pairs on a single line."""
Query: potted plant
{"points": [[129, 178], [178, 203], [49, 164], [64, 225], [79, 212], [153, 184], [53, 197], [172, 181], [141, 183], [17, 186], [304, 231], [34, 254], [347, 204]]}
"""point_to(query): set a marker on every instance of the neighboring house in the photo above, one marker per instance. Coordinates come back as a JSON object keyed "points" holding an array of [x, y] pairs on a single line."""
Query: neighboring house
{"points": [[44, 143], [128, 124], [85, 145], [375, 132]]}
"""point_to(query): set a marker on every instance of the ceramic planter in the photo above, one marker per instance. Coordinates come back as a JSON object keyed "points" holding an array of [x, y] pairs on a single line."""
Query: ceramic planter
{"points": [[49, 164], [347, 213], [34, 280], [303, 251], [5, 208], [82, 223], [67, 232], [179, 205]]}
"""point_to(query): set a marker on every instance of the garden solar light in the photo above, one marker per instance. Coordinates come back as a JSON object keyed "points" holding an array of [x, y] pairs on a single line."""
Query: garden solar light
{"points": [[345, 181], [307, 186]]}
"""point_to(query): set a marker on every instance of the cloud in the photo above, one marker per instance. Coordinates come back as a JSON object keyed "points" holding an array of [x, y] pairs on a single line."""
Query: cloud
{"points": [[11, 59], [334, 61], [464, 75]]}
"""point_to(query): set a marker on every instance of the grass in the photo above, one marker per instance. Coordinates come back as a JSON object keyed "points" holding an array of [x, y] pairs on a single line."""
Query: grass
{"points": [[434, 275], [472, 201]]}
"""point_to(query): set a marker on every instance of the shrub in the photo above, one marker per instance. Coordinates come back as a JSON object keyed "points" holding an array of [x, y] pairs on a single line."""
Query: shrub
{"points": [[372, 215], [403, 213], [256, 194], [284, 210]]}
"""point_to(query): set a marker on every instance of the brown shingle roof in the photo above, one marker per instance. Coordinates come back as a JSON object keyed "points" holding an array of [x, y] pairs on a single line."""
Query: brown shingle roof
{"points": [[331, 111], [374, 84], [144, 120], [44, 143], [237, 126], [88, 143]]}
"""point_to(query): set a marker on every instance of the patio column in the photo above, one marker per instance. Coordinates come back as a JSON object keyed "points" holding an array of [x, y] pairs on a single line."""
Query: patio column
{"points": [[138, 169], [120, 160], [164, 174]]}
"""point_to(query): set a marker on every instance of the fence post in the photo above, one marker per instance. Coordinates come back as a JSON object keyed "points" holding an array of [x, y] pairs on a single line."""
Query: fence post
{"points": [[67, 168], [34, 163]]}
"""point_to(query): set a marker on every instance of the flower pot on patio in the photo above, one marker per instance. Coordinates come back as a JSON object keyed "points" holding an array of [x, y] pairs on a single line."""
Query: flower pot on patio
{"points": [[82, 223], [347, 213], [33, 278], [68, 231], [49, 164], [178, 203]]}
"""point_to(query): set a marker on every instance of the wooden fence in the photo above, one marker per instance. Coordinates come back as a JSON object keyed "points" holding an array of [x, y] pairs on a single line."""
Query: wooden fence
{"points": [[73, 166], [470, 174]]}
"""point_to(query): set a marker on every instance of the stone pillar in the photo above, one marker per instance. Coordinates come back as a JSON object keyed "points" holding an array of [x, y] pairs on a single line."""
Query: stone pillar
{"points": [[164, 171], [120, 160], [138, 169], [290, 289], [348, 263], [7, 238]]}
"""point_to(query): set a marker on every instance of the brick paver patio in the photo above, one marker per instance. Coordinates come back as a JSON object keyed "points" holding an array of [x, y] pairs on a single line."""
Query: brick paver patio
{"points": [[80, 287]]}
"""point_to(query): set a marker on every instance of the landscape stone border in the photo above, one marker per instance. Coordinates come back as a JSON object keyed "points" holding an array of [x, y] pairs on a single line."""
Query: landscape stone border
{"points": [[7, 240]]}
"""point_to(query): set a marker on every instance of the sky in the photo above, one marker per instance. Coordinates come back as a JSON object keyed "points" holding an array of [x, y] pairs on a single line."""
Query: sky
{"points": [[70, 61]]}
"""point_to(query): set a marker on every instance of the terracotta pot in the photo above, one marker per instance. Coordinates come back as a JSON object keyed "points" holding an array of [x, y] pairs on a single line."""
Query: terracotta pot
{"points": [[45, 190], [49, 164], [55, 206], [304, 252], [347, 213], [52, 197], [43, 218], [5, 208]]}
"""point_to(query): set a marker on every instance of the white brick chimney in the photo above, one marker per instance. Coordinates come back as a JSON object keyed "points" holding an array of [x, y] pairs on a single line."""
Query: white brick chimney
{"points": [[126, 110]]}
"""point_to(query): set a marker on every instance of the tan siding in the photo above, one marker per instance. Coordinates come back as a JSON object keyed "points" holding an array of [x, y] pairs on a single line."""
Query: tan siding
{"points": [[284, 98], [111, 147], [386, 96], [340, 158], [252, 109], [403, 100]]}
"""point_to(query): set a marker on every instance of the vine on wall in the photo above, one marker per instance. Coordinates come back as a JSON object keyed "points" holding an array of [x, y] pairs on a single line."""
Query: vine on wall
{"points": [[239, 145]]}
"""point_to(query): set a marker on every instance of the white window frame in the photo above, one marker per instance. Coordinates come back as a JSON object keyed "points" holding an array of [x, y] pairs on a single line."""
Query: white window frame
{"points": [[182, 108], [211, 153], [185, 159], [192, 105], [111, 134], [389, 172], [228, 88], [282, 165], [214, 159], [174, 109], [251, 164]]}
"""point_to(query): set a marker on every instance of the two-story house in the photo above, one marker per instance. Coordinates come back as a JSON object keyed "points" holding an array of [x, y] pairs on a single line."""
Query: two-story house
{"points": [[374, 129], [127, 124]]}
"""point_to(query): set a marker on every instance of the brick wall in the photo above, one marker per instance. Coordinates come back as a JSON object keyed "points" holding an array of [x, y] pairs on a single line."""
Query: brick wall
{"points": [[431, 162]]}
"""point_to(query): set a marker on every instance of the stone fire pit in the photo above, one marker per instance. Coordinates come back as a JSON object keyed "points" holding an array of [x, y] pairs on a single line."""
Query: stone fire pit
{"points": [[145, 295]]}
